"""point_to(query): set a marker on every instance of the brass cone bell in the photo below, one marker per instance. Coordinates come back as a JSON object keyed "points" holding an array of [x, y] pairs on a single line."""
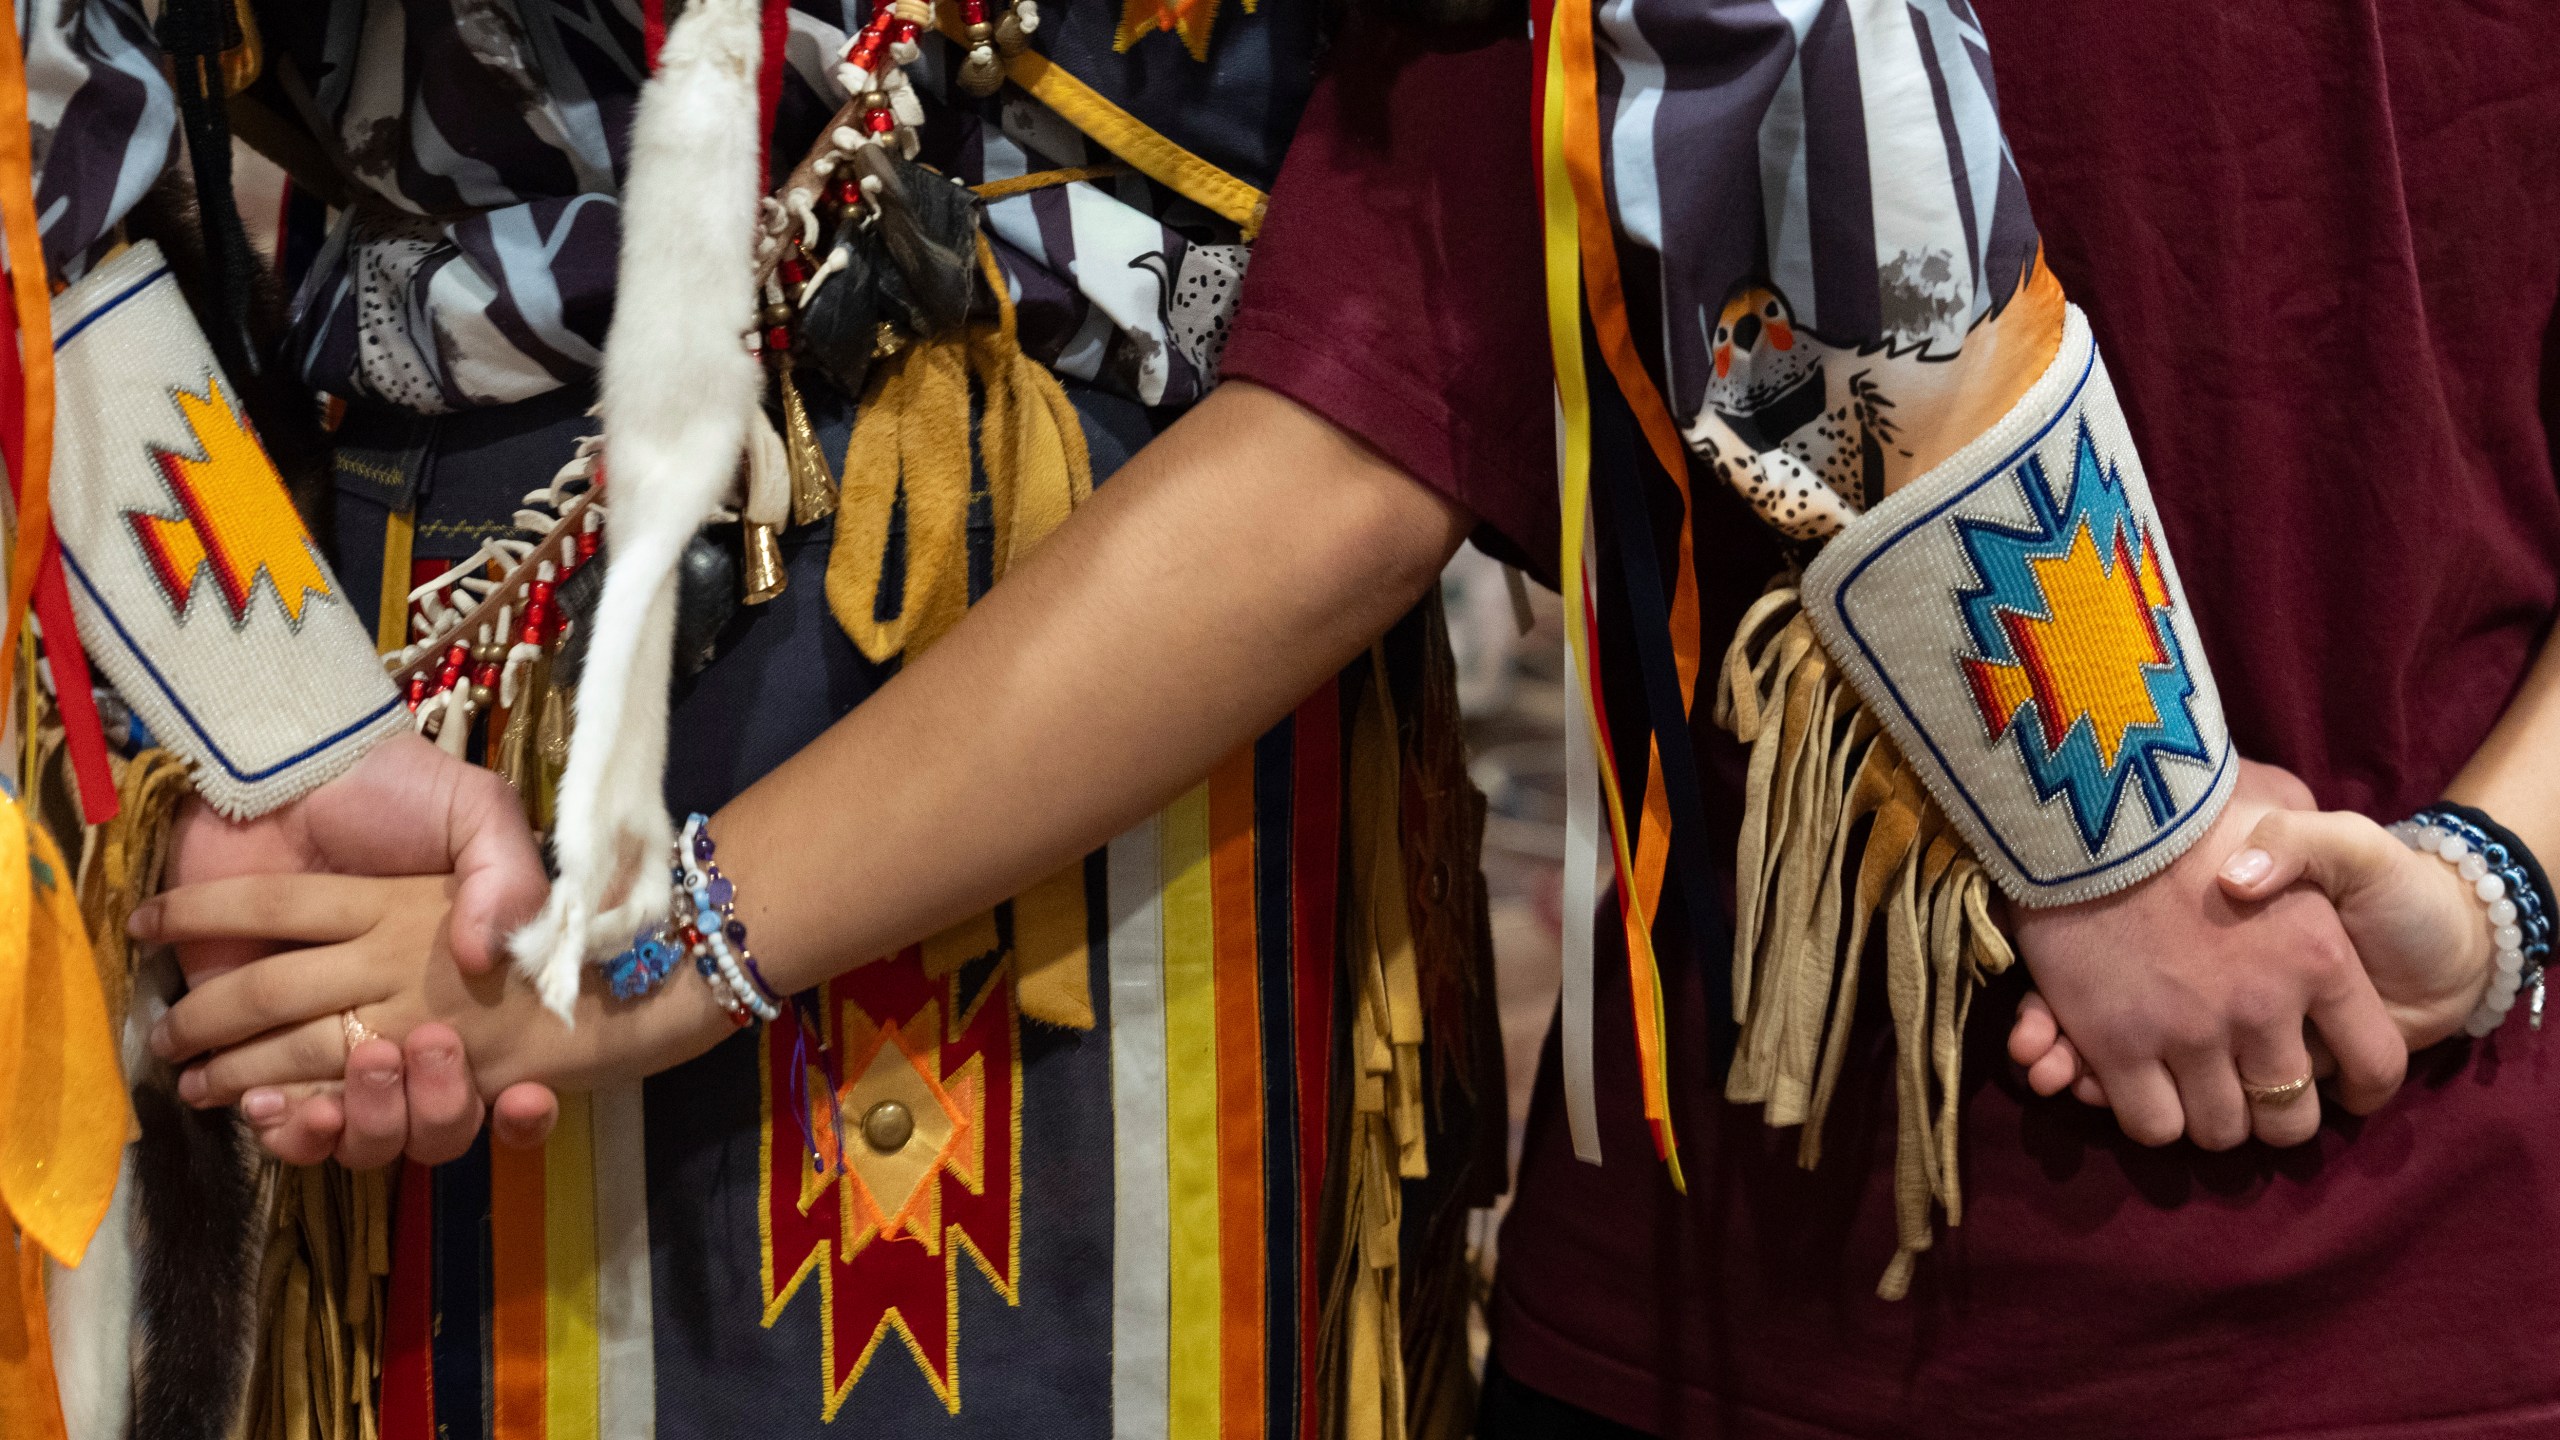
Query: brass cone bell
{"points": [[765, 577], [813, 489]]}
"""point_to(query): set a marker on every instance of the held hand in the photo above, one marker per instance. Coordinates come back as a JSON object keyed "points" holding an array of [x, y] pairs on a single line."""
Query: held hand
{"points": [[423, 1103], [2421, 932], [2176, 995], [2417, 927], [380, 951], [405, 808]]}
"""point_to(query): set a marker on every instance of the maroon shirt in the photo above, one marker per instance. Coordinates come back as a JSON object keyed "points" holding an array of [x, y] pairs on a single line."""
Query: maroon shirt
{"points": [[2320, 243]]}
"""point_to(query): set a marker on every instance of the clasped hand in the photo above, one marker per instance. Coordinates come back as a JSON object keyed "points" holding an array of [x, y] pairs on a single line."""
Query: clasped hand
{"points": [[405, 809], [2284, 933], [2284, 930]]}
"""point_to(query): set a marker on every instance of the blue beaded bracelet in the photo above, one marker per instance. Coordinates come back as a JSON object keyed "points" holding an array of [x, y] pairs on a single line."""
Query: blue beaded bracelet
{"points": [[702, 926]]}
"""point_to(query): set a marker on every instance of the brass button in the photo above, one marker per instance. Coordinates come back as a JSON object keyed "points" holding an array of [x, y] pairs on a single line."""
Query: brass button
{"points": [[887, 1126]]}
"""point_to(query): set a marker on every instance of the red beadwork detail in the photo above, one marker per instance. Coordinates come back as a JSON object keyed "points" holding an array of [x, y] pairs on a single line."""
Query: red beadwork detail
{"points": [[417, 689], [795, 271], [878, 122], [588, 541], [847, 193], [456, 660], [866, 46], [777, 338], [486, 675], [903, 33], [973, 12]]}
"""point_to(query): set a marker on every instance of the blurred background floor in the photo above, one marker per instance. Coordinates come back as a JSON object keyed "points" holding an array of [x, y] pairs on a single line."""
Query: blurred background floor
{"points": [[1511, 688]]}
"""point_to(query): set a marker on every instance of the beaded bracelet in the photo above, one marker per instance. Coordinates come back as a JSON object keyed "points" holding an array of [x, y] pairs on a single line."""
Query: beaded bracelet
{"points": [[2509, 883], [703, 926], [717, 936]]}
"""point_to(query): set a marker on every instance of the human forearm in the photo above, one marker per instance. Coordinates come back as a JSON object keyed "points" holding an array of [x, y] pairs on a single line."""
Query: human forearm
{"points": [[2515, 774], [1234, 563]]}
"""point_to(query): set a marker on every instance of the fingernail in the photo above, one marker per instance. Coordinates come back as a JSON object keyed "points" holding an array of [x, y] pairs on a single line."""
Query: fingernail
{"points": [[191, 1087], [437, 1057], [381, 1077], [262, 1105], [2248, 867], [161, 1044], [144, 921]]}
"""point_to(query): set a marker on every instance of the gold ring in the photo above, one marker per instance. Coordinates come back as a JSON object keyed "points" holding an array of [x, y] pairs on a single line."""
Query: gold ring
{"points": [[2284, 1094], [358, 1032]]}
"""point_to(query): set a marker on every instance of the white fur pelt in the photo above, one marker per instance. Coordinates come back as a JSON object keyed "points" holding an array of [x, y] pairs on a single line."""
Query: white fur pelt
{"points": [[679, 388]]}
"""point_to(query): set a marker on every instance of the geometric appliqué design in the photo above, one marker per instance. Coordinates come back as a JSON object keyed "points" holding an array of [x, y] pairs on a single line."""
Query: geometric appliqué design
{"points": [[234, 518], [2074, 657], [885, 1230]]}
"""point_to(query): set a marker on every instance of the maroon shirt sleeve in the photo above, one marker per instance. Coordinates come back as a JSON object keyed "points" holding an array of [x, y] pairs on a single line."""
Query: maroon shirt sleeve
{"points": [[1396, 287]]}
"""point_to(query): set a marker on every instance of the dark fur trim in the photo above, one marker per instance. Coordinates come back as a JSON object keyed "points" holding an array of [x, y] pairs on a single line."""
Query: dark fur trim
{"points": [[199, 1240]]}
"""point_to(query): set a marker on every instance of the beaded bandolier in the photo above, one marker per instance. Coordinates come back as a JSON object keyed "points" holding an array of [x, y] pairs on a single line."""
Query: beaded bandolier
{"points": [[1178, 1142]]}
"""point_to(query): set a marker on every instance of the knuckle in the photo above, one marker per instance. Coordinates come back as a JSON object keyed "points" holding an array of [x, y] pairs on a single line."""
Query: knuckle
{"points": [[2330, 954], [2194, 1034], [2259, 1005]]}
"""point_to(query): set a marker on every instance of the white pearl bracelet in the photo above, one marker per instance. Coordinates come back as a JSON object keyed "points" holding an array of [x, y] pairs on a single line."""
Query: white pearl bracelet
{"points": [[2504, 933]]}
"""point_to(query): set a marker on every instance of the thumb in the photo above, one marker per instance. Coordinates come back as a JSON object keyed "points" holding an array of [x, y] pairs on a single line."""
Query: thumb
{"points": [[523, 1115], [2337, 850], [497, 869]]}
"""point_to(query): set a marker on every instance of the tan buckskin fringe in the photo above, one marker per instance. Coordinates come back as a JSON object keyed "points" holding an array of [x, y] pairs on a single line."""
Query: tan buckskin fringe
{"points": [[327, 1260], [1361, 1374], [1840, 838], [120, 866]]}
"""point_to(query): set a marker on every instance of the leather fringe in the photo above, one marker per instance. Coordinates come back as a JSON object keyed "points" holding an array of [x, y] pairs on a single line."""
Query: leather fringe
{"points": [[120, 865], [1839, 838], [328, 1257], [1360, 1339]]}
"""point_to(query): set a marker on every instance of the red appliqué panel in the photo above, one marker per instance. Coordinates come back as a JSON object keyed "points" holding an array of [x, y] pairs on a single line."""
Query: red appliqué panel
{"points": [[928, 1091]]}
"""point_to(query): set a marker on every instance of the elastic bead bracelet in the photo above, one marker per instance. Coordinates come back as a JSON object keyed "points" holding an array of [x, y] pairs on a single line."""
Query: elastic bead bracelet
{"points": [[702, 925], [2510, 888], [718, 936]]}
